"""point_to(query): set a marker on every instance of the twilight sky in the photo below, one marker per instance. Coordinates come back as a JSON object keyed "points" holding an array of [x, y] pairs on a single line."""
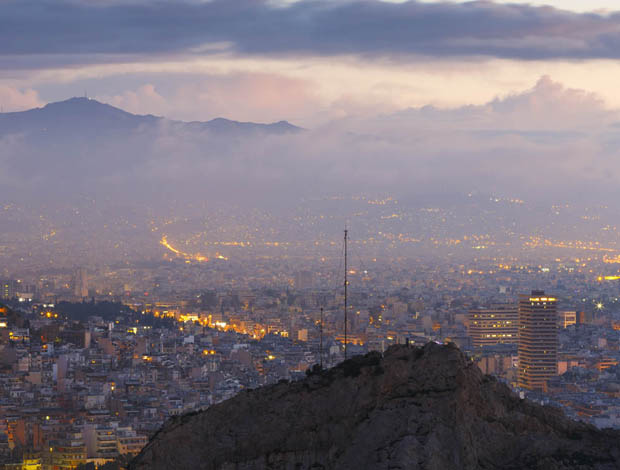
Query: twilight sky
{"points": [[406, 97], [311, 62]]}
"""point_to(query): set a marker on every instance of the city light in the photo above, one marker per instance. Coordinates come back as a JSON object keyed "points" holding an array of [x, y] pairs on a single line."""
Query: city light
{"points": [[170, 243], [187, 256]]}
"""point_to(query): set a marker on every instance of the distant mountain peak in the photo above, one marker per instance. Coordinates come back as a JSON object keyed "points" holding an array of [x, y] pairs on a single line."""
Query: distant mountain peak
{"points": [[85, 104], [86, 113], [75, 99], [78, 101]]}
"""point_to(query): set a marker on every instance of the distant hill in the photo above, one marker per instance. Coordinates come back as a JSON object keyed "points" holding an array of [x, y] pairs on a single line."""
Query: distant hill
{"points": [[413, 408], [79, 115], [83, 146]]}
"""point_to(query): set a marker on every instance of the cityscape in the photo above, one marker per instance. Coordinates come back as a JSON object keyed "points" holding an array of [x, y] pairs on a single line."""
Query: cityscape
{"points": [[309, 235], [95, 361]]}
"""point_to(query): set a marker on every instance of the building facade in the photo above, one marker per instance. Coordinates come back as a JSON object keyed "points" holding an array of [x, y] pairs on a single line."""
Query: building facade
{"points": [[8, 288], [538, 340], [497, 324], [567, 318]]}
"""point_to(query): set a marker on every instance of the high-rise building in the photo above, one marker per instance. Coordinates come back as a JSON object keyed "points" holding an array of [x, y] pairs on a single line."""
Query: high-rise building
{"points": [[538, 340], [497, 324], [8, 288], [80, 283]]}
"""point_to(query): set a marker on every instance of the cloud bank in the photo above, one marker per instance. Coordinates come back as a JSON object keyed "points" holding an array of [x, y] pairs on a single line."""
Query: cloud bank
{"points": [[547, 143], [257, 97], [14, 99], [74, 30]]}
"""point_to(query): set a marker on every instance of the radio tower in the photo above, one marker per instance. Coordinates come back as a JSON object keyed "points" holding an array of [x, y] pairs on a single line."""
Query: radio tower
{"points": [[346, 283], [321, 340]]}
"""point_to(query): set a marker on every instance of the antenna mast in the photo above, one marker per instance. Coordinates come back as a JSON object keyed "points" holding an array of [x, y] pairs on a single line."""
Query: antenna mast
{"points": [[346, 283], [321, 340]]}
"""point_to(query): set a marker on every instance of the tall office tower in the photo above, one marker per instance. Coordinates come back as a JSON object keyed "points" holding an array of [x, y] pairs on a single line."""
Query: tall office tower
{"points": [[80, 283], [497, 324], [8, 288], [538, 340]]}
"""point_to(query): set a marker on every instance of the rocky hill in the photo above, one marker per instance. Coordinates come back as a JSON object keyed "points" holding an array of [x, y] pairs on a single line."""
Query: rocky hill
{"points": [[412, 408]]}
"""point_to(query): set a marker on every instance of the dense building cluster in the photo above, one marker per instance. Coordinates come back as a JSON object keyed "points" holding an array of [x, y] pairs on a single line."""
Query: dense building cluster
{"points": [[89, 378]]}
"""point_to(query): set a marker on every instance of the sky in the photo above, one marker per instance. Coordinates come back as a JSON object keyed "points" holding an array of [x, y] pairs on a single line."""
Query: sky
{"points": [[519, 98], [573, 5], [311, 62]]}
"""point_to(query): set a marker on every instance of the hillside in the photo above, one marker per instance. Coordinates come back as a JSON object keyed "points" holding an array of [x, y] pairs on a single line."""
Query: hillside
{"points": [[415, 408]]}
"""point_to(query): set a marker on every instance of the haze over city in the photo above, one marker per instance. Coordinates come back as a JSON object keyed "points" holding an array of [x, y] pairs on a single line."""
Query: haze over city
{"points": [[421, 102]]}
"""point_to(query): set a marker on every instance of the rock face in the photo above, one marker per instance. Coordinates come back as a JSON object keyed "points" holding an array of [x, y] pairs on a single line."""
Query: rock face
{"points": [[411, 408]]}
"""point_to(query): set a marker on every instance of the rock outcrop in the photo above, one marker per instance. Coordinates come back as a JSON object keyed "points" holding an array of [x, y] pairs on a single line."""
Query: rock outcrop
{"points": [[411, 408]]}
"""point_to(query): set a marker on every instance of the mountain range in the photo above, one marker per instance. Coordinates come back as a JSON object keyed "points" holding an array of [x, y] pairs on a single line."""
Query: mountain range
{"points": [[84, 115], [83, 147]]}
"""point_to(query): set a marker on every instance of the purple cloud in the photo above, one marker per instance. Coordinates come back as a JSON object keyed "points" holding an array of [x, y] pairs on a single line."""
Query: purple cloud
{"points": [[63, 28]]}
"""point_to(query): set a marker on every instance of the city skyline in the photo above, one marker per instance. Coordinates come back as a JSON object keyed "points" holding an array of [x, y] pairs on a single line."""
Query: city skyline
{"points": [[176, 178]]}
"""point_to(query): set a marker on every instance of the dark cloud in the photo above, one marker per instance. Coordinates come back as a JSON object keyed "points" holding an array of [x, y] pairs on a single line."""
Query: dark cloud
{"points": [[362, 27]]}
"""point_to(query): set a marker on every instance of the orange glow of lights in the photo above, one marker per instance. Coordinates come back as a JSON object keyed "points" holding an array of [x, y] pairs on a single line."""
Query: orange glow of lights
{"points": [[187, 256]]}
